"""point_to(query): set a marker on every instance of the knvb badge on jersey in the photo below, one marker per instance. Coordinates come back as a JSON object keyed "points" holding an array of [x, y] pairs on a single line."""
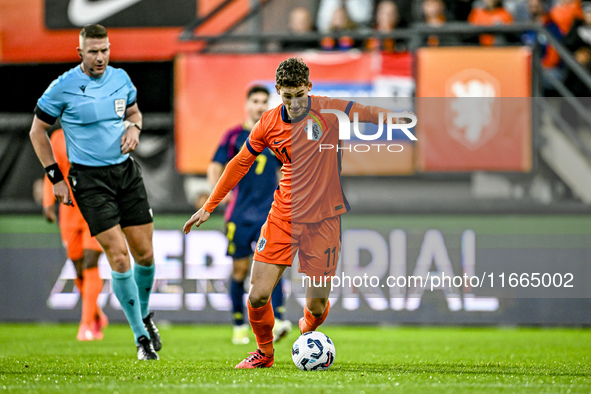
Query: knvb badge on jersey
{"points": [[314, 133]]}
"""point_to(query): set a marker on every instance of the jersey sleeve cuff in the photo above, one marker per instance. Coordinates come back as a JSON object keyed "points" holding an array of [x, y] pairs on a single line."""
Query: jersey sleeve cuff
{"points": [[132, 103], [251, 149], [349, 106], [44, 116]]}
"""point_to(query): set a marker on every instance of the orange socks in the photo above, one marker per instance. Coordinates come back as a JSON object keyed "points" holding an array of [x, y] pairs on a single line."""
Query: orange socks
{"points": [[93, 284], [312, 322], [262, 321]]}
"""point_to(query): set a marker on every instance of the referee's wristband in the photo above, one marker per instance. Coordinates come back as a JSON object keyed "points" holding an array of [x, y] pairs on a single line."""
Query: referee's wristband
{"points": [[134, 124], [54, 173]]}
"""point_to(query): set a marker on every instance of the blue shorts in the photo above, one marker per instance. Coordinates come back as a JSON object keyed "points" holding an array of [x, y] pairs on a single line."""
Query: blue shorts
{"points": [[242, 238]]}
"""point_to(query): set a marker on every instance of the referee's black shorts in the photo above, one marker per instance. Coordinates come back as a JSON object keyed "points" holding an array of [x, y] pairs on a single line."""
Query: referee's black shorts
{"points": [[110, 195]]}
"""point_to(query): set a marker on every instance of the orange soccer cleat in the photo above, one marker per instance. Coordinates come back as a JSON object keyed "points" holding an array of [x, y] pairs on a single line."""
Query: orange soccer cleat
{"points": [[256, 360]]}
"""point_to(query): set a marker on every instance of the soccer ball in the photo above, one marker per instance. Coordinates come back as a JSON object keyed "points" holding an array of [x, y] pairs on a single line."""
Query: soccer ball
{"points": [[313, 351]]}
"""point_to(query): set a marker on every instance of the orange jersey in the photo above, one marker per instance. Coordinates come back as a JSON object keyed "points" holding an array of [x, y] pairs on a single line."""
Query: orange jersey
{"points": [[310, 188], [484, 17]]}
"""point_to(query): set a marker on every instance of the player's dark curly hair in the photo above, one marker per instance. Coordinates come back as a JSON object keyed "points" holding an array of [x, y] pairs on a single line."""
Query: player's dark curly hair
{"points": [[93, 31], [292, 73]]}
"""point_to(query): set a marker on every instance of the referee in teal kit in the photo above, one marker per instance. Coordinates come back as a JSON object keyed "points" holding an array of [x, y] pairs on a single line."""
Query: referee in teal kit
{"points": [[97, 106]]}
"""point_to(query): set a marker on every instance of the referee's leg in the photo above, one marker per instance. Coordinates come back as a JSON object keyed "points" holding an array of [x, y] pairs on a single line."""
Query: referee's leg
{"points": [[139, 238], [113, 243], [124, 286]]}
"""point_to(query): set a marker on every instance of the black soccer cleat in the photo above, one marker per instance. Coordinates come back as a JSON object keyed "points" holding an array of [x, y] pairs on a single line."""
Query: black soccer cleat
{"points": [[145, 350], [153, 331]]}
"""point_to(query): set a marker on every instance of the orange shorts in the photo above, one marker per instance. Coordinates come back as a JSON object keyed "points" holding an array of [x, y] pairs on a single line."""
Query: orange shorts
{"points": [[75, 233], [317, 245]]}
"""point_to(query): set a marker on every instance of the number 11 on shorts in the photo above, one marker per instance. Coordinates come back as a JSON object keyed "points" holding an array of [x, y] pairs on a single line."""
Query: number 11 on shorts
{"points": [[328, 253]]}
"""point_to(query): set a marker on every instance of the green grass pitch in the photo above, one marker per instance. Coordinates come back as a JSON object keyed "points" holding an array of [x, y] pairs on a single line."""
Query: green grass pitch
{"points": [[200, 358]]}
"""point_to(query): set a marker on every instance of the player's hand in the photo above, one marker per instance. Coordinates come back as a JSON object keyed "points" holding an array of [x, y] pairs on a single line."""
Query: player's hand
{"points": [[130, 139], [49, 213], [403, 119], [197, 219], [62, 193]]}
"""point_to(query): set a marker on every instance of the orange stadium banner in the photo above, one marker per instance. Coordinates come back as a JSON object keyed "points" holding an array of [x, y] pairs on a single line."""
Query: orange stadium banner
{"points": [[474, 109], [146, 30], [210, 92]]}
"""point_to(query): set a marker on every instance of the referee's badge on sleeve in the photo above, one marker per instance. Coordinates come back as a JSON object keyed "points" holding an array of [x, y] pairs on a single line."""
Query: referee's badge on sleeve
{"points": [[120, 107]]}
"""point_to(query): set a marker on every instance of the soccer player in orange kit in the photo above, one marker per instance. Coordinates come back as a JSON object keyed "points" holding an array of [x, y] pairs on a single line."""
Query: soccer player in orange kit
{"points": [[82, 248], [305, 214]]}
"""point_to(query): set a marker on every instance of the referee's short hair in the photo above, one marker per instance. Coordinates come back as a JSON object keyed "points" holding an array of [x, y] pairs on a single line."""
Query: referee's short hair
{"points": [[93, 31]]}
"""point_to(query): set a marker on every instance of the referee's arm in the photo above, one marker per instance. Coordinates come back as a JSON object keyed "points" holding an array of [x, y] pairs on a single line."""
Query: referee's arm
{"points": [[133, 127], [41, 141], [42, 146]]}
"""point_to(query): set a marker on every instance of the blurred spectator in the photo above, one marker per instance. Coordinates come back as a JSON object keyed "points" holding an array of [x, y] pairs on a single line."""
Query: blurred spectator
{"points": [[340, 23], [300, 22], [518, 9], [459, 9], [405, 11], [434, 12], [537, 14], [579, 35], [572, 81], [434, 15], [387, 18], [578, 40], [360, 12], [564, 13], [492, 13]]}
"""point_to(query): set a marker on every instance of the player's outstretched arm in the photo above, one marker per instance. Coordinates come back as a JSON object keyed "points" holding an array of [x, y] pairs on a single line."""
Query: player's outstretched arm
{"points": [[371, 114], [214, 173], [233, 173], [378, 115], [42, 146], [197, 219]]}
